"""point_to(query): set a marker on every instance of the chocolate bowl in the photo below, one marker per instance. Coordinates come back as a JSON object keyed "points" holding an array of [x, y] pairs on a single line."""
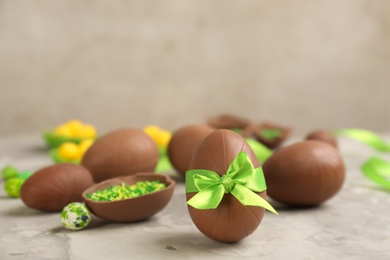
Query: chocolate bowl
{"points": [[131, 209]]}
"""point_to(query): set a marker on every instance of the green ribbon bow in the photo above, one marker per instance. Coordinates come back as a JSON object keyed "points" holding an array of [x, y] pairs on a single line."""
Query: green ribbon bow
{"points": [[241, 180]]}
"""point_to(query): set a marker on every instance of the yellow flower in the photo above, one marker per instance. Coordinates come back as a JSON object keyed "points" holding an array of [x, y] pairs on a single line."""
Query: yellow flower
{"points": [[63, 130], [84, 146], [69, 151], [75, 128], [160, 136], [86, 131]]}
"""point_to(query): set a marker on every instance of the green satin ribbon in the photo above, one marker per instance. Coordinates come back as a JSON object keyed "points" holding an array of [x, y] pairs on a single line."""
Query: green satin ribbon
{"points": [[241, 180], [261, 151], [367, 137], [377, 170]]}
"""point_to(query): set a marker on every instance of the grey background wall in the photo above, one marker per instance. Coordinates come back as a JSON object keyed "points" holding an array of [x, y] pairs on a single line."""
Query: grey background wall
{"points": [[305, 64]]}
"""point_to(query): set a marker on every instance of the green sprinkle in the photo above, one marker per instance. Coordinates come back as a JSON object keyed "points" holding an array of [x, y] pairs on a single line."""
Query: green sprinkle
{"points": [[270, 133], [120, 192]]}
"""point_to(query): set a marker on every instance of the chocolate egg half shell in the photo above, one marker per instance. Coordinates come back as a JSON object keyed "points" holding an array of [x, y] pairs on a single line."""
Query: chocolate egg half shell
{"points": [[120, 153], [304, 174], [53, 187], [323, 135], [183, 144], [269, 134], [231, 221], [131, 209]]}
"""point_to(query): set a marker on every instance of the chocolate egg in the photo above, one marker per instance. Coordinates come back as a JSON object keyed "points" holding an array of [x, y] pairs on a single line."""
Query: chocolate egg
{"points": [[304, 174], [119, 153], [323, 135], [183, 144], [228, 122], [53, 187], [231, 221]]}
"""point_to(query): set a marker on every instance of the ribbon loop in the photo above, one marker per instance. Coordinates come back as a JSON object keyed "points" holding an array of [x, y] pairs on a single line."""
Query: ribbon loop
{"points": [[240, 179]]}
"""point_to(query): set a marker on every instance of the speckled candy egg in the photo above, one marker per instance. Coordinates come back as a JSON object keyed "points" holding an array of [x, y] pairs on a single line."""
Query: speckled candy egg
{"points": [[75, 216], [120, 153], [231, 221], [13, 185]]}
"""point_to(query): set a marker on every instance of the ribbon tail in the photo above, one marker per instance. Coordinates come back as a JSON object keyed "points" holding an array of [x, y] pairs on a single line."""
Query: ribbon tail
{"points": [[377, 170], [208, 198], [249, 198], [367, 137]]}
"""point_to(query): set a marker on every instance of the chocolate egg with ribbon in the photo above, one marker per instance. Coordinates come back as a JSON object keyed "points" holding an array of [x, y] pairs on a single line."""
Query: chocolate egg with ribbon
{"points": [[225, 188]]}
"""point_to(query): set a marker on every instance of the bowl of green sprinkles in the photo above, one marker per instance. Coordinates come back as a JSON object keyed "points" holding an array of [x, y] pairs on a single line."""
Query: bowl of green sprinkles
{"points": [[129, 198]]}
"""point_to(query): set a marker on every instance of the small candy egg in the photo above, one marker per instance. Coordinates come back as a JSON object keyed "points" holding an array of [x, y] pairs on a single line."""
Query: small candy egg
{"points": [[75, 216], [9, 172], [13, 185]]}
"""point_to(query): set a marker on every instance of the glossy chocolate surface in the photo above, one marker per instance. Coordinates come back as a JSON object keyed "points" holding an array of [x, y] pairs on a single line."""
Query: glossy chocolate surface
{"points": [[231, 221], [228, 122], [53, 187], [304, 174], [120, 153], [323, 135], [183, 144]]}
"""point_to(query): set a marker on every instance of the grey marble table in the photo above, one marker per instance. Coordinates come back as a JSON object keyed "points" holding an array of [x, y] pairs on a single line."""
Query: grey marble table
{"points": [[355, 224]]}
